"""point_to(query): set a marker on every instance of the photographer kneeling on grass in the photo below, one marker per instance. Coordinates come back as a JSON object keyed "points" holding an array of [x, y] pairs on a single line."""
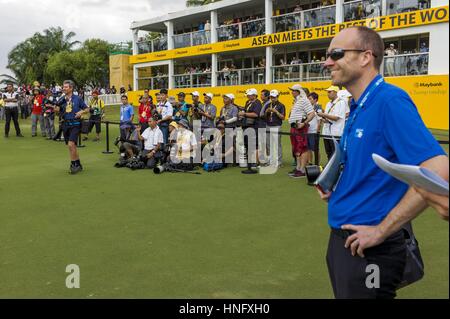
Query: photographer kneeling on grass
{"points": [[129, 149], [153, 142]]}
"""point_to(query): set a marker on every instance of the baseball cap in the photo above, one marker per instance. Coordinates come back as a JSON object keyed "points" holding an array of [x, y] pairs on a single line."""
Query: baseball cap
{"points": [[274, 93], [174, 124], [181, 94], [296, 87], [210, 95], [195, 93], [251, 92], [344, 94], [229, 95], [183, 122], [333, 88], [163, 91]]}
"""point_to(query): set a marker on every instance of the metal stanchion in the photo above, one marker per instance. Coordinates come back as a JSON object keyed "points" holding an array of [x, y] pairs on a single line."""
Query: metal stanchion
{"points": [[80, 144], [107, 151]]}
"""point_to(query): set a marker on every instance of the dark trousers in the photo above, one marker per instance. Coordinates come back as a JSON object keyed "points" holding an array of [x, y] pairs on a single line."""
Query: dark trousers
{"points": [[349, 273], [329, 147], [95, 120], [12, 113]]}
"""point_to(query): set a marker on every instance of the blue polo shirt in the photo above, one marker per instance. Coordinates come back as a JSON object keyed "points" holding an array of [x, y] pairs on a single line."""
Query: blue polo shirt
{"points": [[126, 112], [72, 107], [389, 125]]}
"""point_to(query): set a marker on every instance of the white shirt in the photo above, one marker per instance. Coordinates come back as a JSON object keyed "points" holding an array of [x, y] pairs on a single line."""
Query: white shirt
{"points": [[314, 123], [302, 108], [152, 138], [13, 95], [336, 108], [185, 140], [165, 109]]}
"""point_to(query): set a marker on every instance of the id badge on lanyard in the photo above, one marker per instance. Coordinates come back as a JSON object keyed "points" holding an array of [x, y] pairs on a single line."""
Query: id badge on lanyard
{"points": [[349, 125]]}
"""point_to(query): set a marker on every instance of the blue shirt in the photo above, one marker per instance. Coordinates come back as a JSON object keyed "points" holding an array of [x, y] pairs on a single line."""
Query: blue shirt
{"points": [[72, 107], [126, 112], [389, 125]]}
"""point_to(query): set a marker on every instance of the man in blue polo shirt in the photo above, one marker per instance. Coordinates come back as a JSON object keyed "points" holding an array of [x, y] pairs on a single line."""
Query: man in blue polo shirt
{"points": [[126, 118], [368, 208], [72, 107]]}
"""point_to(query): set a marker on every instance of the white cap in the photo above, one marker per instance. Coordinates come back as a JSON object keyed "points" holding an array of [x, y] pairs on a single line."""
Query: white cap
{"points": [[251, 92], [195, 93], [344, 94], [229, 95], [274, 93], [210, 95], [296, 87]]}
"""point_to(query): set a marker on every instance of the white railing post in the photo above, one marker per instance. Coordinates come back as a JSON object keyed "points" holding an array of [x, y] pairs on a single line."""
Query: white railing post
{"points": [[240, 30], [170, 41], [135, 40], [339, 11]]}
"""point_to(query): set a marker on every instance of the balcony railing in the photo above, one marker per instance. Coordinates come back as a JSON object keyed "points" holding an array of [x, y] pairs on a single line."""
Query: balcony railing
{"points": [[241, 77], [314, 71], [399, 6], [153, 83], [359, 10], [241, 30], [192, 80], [155, 45], [406, 64], [305, 19], [191, 39]]}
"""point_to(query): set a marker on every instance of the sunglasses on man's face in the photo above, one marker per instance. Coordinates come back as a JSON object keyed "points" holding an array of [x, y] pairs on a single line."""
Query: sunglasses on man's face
{"points": [[337, 54]]}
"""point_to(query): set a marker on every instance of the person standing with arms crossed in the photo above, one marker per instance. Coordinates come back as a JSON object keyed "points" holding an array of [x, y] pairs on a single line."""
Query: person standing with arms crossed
{"points": [[72, 108], [368, 208], [11, 105]]}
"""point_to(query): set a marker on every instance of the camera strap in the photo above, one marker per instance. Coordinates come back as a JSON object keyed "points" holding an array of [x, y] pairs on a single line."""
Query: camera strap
{"points": [[350, 123]]}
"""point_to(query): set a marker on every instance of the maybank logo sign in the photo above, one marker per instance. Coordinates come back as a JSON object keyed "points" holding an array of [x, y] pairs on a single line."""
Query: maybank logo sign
{"points": [[391, 22]]}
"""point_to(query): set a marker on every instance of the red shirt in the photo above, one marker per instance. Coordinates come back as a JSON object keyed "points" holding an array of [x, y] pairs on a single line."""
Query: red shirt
{"points": [[38, 100], [145, 112]]}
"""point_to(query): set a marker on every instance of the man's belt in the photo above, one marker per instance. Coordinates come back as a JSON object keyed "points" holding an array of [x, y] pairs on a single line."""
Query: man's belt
{"points": [[342, 233]]}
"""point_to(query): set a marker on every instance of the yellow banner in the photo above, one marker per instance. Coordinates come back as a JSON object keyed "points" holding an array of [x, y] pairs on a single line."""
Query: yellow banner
{"points": [[429, 93], [395, 21]]}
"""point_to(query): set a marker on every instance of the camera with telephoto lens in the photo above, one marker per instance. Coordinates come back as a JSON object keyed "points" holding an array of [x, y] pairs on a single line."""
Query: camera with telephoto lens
{"points": [[156, 116], [312, 173]]}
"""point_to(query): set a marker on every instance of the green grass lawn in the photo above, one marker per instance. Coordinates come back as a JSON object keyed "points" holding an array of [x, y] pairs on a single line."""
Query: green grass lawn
{"points": [[139, 235]]}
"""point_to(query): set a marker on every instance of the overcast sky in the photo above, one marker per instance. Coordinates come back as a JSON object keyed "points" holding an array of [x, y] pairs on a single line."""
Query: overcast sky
{"points": [[105, 19]]}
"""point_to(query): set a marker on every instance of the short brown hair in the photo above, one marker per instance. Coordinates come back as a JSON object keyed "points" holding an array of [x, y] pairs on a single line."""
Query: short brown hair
{"points": [[369, 39]]}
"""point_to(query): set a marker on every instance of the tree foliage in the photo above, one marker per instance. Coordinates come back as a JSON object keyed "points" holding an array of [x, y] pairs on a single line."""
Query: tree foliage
{"points": [[28, 59]]}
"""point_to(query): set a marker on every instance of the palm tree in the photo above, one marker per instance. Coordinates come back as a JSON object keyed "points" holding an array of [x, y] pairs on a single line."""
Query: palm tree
{"points": [[197, 3], [29, 58]]}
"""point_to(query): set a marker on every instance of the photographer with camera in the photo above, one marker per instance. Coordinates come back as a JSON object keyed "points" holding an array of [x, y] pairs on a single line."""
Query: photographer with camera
{"points": [[314, 129], [333, 119], [37, 113], [194, 114], [274, 115], [49, 115], [183, 106], [153, 143], [185, 148], [146, 111], [301, 114], [229, 111], [130, 148], [250, 122], [165, 111], [97, 109], [208, 112]]}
